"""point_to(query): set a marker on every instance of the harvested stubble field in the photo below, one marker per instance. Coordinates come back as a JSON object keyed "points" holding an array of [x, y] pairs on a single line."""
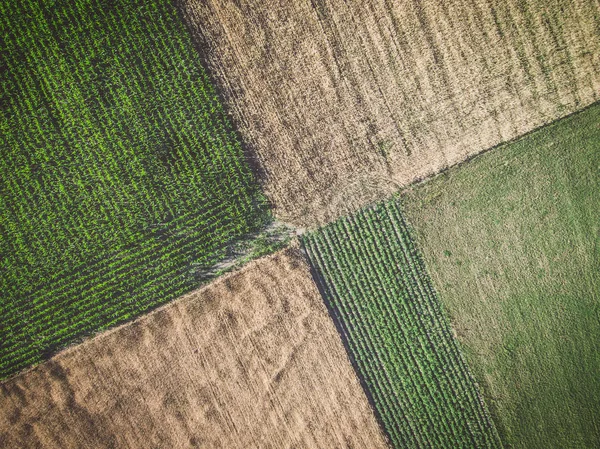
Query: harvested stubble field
{"points": [[512, 241], [381, 296], [343, 101], [251, 361], [121, 178]]}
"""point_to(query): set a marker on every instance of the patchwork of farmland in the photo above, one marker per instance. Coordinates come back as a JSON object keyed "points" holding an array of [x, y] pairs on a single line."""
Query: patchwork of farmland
{"points": [[124, 185], [345, 101], [512, 241], [381, 296], [121, 178], [250, 361]]}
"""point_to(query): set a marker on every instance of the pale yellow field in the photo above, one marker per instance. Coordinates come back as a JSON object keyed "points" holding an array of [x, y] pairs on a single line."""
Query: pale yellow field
{"points": [[341, 102], [250, 361]]}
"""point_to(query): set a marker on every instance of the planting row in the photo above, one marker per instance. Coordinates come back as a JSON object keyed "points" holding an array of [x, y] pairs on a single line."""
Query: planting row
{"points": [[378, 291], [120, 175]]}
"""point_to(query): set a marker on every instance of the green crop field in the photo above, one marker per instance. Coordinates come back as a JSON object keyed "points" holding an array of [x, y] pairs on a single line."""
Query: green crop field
{"points": [[512, 242], [381, 297], [121, 178]]}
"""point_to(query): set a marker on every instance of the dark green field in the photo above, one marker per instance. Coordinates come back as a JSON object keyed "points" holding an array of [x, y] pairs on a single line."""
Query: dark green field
{"points": [[512, 241], [121, 178], [382, 299]]}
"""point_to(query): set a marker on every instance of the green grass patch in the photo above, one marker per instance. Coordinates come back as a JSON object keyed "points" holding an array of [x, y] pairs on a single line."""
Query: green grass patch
{"points": [[512, 241], [382, 300], [121, 179]]}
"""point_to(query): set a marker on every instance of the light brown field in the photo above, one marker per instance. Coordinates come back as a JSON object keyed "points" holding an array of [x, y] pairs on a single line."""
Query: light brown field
{"points": [[342, 102], [253, 360]]}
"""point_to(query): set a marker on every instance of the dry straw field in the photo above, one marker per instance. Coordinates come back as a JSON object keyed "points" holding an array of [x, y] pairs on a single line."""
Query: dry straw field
{"points": [[342, 101], [253, 360]]}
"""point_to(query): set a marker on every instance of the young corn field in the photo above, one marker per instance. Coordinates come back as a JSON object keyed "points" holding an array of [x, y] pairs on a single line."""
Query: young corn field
{"points": [[382, 299], [121, 177]]}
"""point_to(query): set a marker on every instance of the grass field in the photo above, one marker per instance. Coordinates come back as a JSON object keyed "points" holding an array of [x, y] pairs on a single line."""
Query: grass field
{"points": [[512, 240], [121, 178], [343, 101], [390, 317], [163, 381]]}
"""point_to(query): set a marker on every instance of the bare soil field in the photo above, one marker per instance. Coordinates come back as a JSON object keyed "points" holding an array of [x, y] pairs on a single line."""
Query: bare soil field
{"points": [[342, 102], [252, 360]]}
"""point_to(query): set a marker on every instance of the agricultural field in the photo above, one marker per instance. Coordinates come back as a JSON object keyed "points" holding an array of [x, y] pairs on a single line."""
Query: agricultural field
{"points": [[343, 102], [390, 317], [162, 381], [121, 178], [512, 242], [263, 224]]}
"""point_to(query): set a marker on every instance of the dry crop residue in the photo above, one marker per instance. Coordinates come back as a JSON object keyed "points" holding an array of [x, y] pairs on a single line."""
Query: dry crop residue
{"points": [[344, 101], [252, 360]]}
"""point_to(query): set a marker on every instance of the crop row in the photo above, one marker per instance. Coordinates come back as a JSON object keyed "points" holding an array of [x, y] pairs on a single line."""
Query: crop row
{"points": [[120, 171], [380, 294]]}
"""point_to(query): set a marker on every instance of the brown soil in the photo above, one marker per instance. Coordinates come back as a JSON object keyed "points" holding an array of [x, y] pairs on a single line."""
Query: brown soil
{"points": [[343, 101], [253, 360]]}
